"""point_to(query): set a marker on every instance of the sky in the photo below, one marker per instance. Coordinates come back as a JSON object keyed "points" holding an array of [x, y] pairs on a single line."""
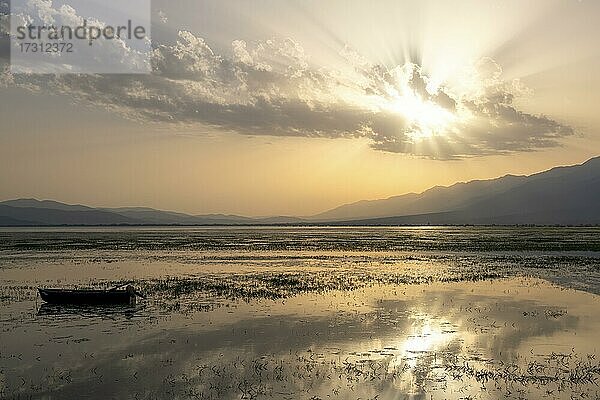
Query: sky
{"points": [[294, 107]]}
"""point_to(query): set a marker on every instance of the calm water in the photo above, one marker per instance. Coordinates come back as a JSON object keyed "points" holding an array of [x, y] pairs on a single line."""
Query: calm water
{"points": [[311, 313]]}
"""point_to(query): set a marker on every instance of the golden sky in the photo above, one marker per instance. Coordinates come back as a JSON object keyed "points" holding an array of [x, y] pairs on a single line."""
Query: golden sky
{"points": [[271, 107]]}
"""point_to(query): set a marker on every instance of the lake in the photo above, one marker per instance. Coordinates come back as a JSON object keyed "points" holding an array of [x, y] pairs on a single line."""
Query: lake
{"points": [[304, 313]]}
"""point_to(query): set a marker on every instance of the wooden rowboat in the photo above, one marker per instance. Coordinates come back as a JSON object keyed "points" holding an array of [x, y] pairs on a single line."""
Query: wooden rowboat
{"points": [[89, 296]]}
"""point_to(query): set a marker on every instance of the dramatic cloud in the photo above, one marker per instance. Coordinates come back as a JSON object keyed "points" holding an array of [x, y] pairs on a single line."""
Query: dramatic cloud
{"points": [[272, 88]]}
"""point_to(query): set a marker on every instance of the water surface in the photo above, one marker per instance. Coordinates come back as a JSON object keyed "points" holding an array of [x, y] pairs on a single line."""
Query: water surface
{"points": [[304, 313]]}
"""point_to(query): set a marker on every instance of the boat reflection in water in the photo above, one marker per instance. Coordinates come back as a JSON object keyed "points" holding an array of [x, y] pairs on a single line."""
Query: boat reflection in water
{"points": [[115, 311]]}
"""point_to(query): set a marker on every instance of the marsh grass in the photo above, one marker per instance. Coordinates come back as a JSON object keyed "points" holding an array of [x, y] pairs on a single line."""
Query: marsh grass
{"points": [[314, 375], [204, 292]]}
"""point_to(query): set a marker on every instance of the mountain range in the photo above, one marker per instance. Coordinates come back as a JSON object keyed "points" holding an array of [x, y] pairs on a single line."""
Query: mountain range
{"points": [[563, 195], [32, 212]]}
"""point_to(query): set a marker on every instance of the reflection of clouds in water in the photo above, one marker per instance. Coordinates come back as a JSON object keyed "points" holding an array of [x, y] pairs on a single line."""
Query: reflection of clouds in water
{"points": [[358, 344]]}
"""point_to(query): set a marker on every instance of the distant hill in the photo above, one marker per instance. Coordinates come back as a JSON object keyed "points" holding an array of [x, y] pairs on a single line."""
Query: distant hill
{"points": [[32, 212], [562, 195], [12, 216]]}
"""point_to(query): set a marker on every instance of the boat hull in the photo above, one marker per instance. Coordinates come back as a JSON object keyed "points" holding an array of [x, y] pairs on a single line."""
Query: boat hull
{"points": [[96, 297]]}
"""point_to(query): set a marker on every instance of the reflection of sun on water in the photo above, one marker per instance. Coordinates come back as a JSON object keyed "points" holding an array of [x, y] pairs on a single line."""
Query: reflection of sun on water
{"points": [[419, 348], [426, 336], [421, 341]]}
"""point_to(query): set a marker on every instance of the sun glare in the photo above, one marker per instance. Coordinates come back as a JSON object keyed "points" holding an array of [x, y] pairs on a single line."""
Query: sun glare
{"points": [[425, 338], [415, 99], [426, 119]]}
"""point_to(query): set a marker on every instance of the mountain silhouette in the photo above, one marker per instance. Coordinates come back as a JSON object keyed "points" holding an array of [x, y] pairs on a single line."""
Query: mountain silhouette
{"points": [[563, 195], [32, 212]]}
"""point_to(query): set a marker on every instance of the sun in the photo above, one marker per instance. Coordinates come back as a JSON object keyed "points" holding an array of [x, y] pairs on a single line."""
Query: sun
{"points": [[411, 95], [424, 117]]}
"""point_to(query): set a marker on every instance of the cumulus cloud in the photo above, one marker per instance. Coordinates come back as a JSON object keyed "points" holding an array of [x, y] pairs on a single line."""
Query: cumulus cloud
{"points": [[272, 88]]}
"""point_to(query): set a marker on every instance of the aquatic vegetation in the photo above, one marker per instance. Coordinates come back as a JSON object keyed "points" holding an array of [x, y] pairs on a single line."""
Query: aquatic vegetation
{"points": [[555, 373], [280, 285], [368, 239]]}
